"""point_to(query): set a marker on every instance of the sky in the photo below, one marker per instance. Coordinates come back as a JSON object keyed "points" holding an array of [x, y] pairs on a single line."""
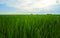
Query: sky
{"points": [[29, 6]]}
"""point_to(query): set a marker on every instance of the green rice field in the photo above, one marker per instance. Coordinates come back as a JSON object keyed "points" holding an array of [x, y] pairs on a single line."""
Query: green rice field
{"points": [[29, 26]]}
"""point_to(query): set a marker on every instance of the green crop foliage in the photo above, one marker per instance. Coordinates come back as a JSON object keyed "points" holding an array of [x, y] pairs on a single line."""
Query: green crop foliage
{"points": [[29, 26]]}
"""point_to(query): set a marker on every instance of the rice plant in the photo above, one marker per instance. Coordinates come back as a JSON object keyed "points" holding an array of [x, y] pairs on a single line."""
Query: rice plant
{"points": [[29, 26]]}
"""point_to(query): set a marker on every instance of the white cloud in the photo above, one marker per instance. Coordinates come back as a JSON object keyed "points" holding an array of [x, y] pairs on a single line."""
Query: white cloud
{"points": [[28, 5]]}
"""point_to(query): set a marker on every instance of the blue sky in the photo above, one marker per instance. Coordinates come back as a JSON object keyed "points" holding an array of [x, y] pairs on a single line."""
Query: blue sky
{"points": [[6, 9], [29, 6]]}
